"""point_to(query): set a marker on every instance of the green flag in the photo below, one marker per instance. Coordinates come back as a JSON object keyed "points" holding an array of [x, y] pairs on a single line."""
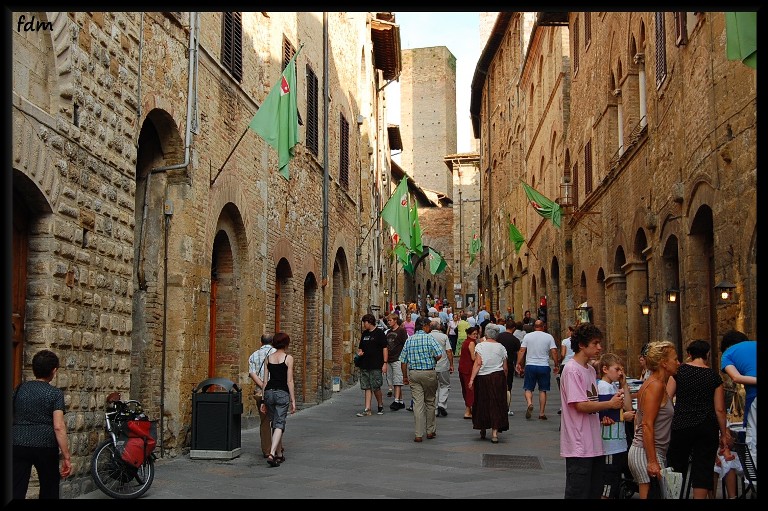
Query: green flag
{"points": [[741, 37], [543, 206], [436, 262], [277, 119], [395, 212], [474, 247], [515, 236], [416, 244], [404, 256]]}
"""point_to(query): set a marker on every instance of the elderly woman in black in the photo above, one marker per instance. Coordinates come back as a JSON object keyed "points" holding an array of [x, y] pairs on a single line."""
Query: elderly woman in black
{"points": [[39, 432], [699, 422]]}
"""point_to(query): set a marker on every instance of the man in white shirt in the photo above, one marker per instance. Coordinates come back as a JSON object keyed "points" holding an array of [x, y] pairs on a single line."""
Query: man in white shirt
{"points": [[256, 369], [537, 347]]}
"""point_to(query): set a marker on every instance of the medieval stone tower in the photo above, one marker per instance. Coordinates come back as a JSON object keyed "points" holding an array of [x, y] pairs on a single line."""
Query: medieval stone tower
{"points": [[428, 115]]}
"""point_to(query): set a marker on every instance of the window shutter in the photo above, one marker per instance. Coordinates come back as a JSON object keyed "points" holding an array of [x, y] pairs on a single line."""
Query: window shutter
{"points": [[344, 152], [312, 120], [661, 50], [588, 168]]}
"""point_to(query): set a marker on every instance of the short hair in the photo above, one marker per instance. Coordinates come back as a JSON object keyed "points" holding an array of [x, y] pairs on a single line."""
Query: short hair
{"points": [[281, 340], [511, 324], [732, 337], [539, 324], [491, 330], [583, 334], [266, 339], [463, 315], [472, 330], [608, 360], [396, 317], [697, 349], [527, 312], [369, 318], [657, 351], [43, 363]]}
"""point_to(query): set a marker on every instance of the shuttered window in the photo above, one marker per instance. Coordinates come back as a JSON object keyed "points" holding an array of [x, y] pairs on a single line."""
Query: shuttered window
{"points": [[587, 28], [681, 28], [312, 121], [343, 152], [588, 168], [575, 45], [232, 44], [661, 50]]}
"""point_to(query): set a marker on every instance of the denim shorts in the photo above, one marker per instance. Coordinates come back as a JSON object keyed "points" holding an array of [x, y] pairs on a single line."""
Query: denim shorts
{"points": [[277, 401], [537, 375]]}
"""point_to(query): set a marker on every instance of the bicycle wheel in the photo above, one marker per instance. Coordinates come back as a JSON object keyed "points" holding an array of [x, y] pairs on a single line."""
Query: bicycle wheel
{"points": [[118, 479]]}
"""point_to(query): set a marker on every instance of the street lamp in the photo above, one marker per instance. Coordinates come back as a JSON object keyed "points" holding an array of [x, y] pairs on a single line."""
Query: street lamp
{"points": [[725, 289], [645, 305]]}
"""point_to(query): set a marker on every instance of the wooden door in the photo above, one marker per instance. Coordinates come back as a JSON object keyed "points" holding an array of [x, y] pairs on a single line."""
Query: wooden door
{"points": [[19, 286]]}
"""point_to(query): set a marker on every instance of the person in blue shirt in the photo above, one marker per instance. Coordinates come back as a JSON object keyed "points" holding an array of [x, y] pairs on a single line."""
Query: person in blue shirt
{"points": [[739, 361]]}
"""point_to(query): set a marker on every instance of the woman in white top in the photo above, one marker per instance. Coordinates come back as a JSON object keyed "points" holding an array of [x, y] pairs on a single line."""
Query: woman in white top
{"points": [[489, 382]]}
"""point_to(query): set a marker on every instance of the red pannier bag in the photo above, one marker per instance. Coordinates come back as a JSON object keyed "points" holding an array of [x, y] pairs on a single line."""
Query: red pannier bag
{"points": [[140, 443]]}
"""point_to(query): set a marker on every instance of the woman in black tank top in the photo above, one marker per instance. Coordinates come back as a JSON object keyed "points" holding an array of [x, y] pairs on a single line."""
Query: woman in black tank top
{"points": [[279, 396]]}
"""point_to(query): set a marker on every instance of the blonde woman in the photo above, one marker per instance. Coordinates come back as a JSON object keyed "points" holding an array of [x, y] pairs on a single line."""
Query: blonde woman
{"points": [[653, 423]]}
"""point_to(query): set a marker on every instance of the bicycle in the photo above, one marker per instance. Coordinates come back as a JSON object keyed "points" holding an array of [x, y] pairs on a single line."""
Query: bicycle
{"points": [[113, 475]]}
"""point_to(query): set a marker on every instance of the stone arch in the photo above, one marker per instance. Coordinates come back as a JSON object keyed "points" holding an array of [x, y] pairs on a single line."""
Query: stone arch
{"points": [[311, 344], [341, 312]]}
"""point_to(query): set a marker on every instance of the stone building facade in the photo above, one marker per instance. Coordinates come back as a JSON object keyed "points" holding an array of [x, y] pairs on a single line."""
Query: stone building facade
{"points": [[645, 133], [154, 241]]}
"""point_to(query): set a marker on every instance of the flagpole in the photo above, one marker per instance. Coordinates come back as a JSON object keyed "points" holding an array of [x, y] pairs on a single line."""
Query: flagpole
{"points": [[230, 155]]}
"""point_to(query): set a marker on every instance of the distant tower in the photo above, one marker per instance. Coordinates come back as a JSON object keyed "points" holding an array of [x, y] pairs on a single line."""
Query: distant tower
{"points": [[428, 116]]}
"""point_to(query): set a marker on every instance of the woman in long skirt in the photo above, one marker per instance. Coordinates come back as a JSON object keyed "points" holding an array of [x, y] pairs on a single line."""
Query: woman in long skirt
{"points": [[489, 382]]}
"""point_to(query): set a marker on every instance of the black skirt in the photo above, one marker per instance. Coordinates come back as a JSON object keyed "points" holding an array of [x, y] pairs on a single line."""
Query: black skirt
{"points": [[490, 408]]}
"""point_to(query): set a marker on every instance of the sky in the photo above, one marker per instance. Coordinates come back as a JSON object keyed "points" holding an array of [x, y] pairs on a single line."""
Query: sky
{"points": [[460, 33]]}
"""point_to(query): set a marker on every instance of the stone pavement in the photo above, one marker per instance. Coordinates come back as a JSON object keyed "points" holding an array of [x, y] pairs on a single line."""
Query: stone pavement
{"points": [[332, 454]]}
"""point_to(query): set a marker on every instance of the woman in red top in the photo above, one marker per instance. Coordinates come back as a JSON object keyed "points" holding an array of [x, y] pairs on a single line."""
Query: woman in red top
{"points": [[466, 361]]}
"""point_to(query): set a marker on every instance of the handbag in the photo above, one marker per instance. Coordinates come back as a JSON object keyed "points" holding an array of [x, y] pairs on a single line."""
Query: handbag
{"points": [[671, 483], [654, 489]]}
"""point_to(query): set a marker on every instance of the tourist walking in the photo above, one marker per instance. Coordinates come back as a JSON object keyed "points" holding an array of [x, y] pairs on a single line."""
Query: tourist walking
{"points": [[466, 363], [256, 364], [536, 348], [279, 395], [443, 368], [39, 432], [653, 422], [418, 358], [511, 343], [489, 383], [396, 337]]}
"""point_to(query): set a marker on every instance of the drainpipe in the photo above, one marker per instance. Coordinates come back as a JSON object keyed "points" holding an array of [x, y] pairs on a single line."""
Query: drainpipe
{"points": [[193, 44], [326, 179]]}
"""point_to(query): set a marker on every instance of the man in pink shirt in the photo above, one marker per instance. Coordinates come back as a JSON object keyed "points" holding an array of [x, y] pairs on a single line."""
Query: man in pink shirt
{"points": [[580, 439]]}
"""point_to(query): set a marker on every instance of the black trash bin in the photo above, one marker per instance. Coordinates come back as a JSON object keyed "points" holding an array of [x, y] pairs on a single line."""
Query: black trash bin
{"points": [[216, 419]]}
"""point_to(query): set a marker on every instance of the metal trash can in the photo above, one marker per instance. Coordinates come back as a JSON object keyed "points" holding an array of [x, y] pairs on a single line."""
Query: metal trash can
{"points": [[216, 420]]}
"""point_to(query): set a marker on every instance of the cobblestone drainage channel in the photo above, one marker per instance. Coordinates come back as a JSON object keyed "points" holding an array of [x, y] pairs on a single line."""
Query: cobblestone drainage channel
{"points": [[512, 461]]}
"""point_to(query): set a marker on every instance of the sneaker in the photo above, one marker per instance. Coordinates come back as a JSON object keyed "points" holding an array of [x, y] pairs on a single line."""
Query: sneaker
{"points": [[395, 406], [510, 413], [400, 405], [442, 412], [364, 413], [560, 411], [410, 408], [380, 412]]}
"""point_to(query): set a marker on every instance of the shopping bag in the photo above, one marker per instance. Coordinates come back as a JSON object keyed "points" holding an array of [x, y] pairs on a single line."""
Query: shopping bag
{"points": [[671, 483]]}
